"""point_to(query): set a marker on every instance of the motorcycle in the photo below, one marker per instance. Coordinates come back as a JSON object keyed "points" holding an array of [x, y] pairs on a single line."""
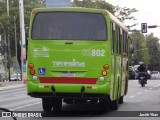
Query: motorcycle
{"points": [[142, 77]]}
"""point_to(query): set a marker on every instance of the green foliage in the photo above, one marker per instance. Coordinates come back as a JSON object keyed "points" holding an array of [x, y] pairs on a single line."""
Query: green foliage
{"points": [[8, 22], [154, 51], [140, 49], [146, 49], [125, 13], [94, 4], [121, 13]]}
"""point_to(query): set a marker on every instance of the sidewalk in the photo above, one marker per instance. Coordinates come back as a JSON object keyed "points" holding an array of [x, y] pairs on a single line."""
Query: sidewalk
{"points": [[11, 85]]}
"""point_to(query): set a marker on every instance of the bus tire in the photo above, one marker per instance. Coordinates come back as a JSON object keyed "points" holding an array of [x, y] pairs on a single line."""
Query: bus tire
{"points": [[57, 104], [46, 104], [114, 105], [120, 101], [104, 103], [143, 85]]}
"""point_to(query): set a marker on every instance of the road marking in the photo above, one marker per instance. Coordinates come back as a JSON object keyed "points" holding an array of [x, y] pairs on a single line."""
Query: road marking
{"points": [[145, 90], [20, 95], [150, 88], [131, 96], [156, 86], [25, 106], [139, 93]]}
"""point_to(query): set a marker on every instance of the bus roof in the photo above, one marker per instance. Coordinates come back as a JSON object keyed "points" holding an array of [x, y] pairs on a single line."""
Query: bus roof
{"points": [[80, 9]]}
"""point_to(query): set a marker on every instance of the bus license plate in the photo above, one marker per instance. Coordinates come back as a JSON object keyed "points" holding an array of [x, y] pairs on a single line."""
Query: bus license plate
{"points": [[68, 74]]}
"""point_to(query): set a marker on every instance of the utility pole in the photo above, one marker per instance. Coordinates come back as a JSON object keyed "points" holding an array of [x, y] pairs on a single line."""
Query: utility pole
{"points": [[5, 54], [7, 7], [8, 45], [22, 39], [15, 33]]}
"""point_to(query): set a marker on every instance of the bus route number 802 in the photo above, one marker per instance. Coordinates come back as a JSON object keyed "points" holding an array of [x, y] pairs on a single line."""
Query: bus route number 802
{"points": [[93, 52]]}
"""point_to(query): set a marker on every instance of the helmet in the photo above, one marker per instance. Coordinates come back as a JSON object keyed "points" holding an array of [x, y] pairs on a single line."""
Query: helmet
{"points": [[141, 63]]}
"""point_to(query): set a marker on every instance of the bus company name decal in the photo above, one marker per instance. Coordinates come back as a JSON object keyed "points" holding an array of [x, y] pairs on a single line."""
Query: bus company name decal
{"points": [[72, 63], [41, 52]]}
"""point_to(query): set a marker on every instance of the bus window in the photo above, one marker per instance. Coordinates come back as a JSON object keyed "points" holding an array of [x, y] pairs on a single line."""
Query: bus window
{"points": [[112, 37], [125, 44], [69, 26], [118, 39]]}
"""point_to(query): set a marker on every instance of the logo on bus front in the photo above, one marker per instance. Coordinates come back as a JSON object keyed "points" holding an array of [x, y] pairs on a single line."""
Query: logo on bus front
{"points": [[41, 71], [41, 52]]}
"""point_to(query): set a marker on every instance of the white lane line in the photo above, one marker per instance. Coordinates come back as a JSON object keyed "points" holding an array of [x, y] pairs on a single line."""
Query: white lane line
{"points": [[139, 93], [131, 96], [20, 95], [156, 86], [25, 106], [150, 88], [145, 90]]}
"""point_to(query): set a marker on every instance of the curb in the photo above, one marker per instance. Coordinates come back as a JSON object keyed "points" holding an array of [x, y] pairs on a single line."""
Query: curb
{"points": [[11, 87]]}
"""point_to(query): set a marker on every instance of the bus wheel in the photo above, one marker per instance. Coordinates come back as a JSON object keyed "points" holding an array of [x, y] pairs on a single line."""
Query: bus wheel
{"points": [[143, 85], [57, 104], [114, 105], [104, 102], [120, 101], [46, 104]]}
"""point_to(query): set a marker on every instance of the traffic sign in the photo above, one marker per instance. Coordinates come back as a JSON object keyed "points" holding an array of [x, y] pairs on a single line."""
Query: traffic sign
{"points": [[144, 27]]}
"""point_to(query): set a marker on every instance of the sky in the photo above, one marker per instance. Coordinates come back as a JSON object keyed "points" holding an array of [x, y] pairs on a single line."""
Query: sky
{"points": [[148, 12]]}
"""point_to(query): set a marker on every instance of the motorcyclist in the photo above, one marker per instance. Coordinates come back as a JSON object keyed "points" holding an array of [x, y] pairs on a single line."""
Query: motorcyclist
{"points": [[143, 70]]}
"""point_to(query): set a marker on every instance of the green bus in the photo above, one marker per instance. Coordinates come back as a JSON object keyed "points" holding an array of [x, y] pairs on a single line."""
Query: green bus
{"points": [[77, 55]]}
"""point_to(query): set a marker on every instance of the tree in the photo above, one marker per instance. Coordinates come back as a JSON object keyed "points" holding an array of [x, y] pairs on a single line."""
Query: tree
{"points": [[154, 51], [122, 14], [94, 4], [8, 22], [125, 13], [140, 48], [146, 49]]}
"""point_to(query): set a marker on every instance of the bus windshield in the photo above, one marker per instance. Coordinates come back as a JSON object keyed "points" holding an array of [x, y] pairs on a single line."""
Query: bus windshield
{"points": [[69, 26]]}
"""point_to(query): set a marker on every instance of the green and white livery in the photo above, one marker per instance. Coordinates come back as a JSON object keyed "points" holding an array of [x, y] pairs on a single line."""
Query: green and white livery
{"points": [[77, 55]]}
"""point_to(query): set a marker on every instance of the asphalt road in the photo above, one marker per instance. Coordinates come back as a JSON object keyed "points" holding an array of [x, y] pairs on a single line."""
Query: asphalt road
{"points": [[145, 100]]}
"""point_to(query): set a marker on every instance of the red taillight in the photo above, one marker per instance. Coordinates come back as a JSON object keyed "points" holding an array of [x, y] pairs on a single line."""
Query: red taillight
{"points": [[104, 73], [32, 72], [30, 65]]}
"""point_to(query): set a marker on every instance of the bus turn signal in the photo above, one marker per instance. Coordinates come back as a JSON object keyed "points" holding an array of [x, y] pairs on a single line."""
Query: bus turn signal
{"points": [[30, 65], [106, 66]]}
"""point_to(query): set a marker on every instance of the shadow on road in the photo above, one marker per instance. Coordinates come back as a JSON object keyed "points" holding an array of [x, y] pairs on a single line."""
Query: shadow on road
{"points": [[79, 110]]}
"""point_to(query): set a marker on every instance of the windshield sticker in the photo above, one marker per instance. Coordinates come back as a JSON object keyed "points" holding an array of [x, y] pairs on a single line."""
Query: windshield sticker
{"points": [[73, 63], [41, 52], [41, 71]]}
